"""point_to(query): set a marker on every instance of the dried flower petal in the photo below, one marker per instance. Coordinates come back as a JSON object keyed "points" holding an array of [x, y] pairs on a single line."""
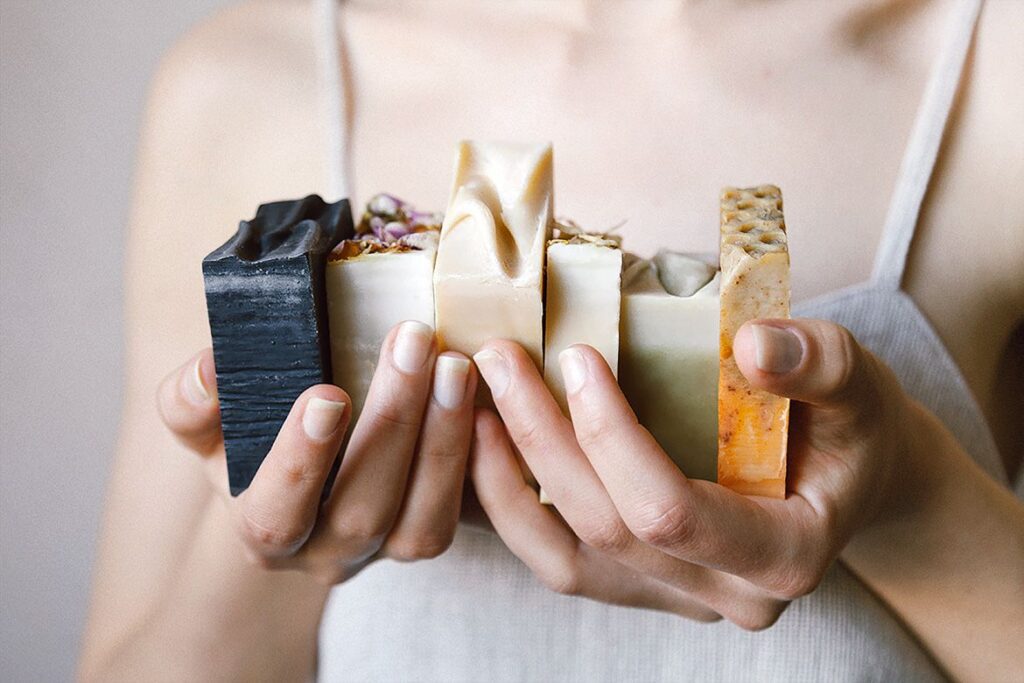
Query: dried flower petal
{"points": [[383, 204], [390, 225]]}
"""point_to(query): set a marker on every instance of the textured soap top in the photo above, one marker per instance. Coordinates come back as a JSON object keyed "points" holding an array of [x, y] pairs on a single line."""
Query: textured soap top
{"points": [[287, 229], [390, 225], [669, 273], [499, 213], [751, 219]]}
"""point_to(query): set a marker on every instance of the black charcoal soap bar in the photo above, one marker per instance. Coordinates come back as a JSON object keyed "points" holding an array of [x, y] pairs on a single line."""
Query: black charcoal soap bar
{"points": [[267, 305]]}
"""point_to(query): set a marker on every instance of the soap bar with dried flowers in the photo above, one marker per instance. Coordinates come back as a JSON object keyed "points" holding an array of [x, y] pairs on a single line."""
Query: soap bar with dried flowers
{"points": [[381, 277]]}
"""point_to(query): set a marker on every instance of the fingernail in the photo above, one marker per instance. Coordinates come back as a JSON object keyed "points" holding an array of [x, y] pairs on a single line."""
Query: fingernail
{"points": [[195, 385], [574, 369], [777, 350], [412, 346], [321, 417], [450, 375], [494, 370]]}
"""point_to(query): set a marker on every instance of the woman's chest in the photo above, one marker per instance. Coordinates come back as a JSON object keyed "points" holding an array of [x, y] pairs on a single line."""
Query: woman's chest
{"points": [[647, 126]]}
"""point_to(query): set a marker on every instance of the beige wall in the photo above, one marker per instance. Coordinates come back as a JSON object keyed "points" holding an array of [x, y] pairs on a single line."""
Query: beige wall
{"points": [[73, 78]]}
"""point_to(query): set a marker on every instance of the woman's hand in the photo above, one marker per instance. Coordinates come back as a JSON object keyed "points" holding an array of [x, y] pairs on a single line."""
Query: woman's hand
{"points": [[399, 488], [629, 528]]}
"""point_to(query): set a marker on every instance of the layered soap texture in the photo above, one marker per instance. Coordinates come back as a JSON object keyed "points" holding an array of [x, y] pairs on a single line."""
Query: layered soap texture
{"points": [[268, 319]]}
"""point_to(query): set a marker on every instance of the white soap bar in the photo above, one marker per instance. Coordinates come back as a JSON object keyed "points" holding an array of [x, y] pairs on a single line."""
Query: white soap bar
{"points": [[583, 299], [668, 356], [582, 307], [367, 295], [488, 280]]}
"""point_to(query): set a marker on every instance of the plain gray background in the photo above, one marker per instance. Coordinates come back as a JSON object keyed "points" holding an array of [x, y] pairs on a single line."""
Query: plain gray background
{"points": [[72, 87]]}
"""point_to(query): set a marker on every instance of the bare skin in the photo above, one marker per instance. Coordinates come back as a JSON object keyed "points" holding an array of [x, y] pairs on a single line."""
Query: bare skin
{"points": [[680, 81]]}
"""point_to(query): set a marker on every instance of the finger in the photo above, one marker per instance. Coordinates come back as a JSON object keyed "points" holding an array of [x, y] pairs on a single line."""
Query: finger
{"points": [[850, 416], [546, 441], [372, 479], [187, 400], [538, 429], [813, 361], [534, 533], [693, 520], [430, 511], [279, 508]]}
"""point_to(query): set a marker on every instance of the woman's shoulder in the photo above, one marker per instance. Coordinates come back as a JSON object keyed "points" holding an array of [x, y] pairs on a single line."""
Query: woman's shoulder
{"points": [[965, 234], [231, 121], [243, 38], [232, 115]]}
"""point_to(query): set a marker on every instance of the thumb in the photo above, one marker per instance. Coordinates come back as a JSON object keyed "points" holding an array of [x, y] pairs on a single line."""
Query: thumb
{"points": [[813, 361], [187, 401]]}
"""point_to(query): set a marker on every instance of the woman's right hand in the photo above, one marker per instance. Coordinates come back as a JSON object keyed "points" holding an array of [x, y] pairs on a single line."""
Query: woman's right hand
{"points": [[398, 492]]}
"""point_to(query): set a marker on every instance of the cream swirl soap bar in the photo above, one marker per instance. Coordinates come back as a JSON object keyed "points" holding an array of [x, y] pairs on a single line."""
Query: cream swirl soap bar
{"points": [[378, 279], [489, 273], [753, 424], [668, 355]]}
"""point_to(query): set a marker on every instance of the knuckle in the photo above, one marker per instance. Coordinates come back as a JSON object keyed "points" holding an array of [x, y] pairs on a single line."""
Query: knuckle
{"points": [[797, 583], [698, 612], [447, 452], [664, 524], [270, 541], [393, 414], [329, 574], [420, 547], [595, 433], [563, 578], [708, 617], [850, 373], [609, 536], [528, 435], [759, 617], [361, 530], [297, 470]]}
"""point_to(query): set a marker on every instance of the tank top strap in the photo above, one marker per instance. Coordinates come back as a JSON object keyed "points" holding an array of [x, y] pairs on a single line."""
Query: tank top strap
{"points": [[333, 99], [923, 146]]}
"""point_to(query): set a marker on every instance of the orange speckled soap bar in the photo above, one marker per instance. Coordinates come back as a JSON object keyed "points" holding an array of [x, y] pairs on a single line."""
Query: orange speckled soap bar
{"points": [[752, 424]]}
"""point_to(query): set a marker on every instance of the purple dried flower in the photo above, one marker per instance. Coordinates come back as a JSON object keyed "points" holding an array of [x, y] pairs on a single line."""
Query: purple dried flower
{"points": [[377, 227], [394, 230], [384, 205]]}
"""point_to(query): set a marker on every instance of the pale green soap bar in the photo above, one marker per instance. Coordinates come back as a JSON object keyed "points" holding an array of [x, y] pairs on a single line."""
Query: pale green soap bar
{"points": [[668, 356]]}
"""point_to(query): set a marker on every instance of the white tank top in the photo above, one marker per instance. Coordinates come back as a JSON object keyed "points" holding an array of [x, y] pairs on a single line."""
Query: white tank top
{"points": [[477, 614]]}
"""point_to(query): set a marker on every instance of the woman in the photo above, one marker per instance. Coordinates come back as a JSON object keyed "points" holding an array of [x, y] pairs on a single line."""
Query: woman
{"points": [[915, 552]]}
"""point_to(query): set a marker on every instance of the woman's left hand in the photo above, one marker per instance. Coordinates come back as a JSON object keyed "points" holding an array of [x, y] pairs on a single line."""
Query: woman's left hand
{"points": [[629, 528]]}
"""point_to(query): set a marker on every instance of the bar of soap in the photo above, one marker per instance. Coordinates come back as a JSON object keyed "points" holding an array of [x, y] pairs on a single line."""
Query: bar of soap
{"points": [[753, 424], [268, 318], [489, 273], [582, 305], [381, 278], [668, 356]]}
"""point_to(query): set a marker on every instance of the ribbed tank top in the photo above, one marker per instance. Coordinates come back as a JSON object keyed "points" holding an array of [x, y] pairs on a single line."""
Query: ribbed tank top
{"points": [[477, 614]]}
